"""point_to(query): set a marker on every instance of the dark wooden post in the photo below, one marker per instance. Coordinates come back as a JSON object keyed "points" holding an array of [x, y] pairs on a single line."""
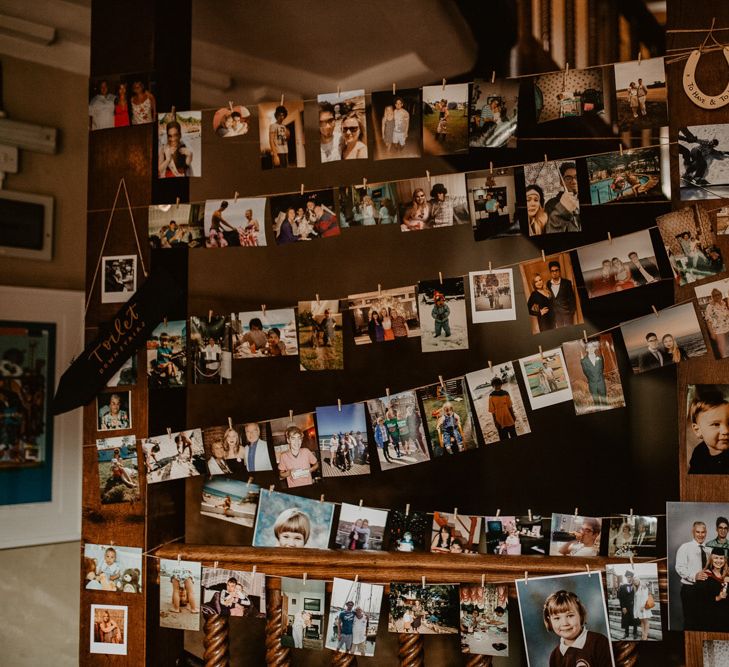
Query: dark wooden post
{"points": [[216, 641], [411, 651], [479, 661], [277, 655]]}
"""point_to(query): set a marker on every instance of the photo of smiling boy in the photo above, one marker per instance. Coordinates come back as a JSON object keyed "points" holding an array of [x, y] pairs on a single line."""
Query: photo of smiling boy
{"points": [[297, 464], [707, 429]]}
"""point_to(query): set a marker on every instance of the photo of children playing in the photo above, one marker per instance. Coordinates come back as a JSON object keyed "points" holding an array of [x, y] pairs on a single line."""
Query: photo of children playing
{"points": [[707, 429], [233, 593], [179, 594], [230, 500], [485, 619], [118, 469], [167, 354], [448, 417], [442, 310], [113, 568], [296, 449], [427, 610], [360, 528], [264, 333], [354, 614], [342, 433], [455, 533], [321, 345], [174, 456]]}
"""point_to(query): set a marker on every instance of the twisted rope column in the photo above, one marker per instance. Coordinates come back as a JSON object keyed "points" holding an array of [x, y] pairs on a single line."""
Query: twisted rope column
{"points": [[216, 641], [626, 653], [343, 659], [474, 660], [277, 655], [411, 651]]}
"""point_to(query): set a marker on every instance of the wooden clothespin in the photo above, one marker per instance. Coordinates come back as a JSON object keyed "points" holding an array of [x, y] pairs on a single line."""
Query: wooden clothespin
{"points": [[270, 488], [526, 577], [610, 237], [387, 392], [455, 513], [632, 564], [282, 100], [440, 277], [655, 311], [498, 513], [301, 192], [177, 203], [640, 56], [440, 379], [304, 580], [379, 289], [210, 316], [364, 183], [587, 566], [230, 423], [490, 368], [491, 168], [422, 581], [356, 578], [493, 75], [253, 572], [584, 335], [529, 513], [291, 415], [443, 86], [407, 509], [427, 175], [173, 113], [321, 498], [545, 158], [215, 565], [621, 149], [230, 104], [317, 299], [394, 88], [631, 513], [483, 579], [169, 432], [235, 197], [179, 558], [566, 68], [541, 353], [165, 320], [544, 257], [111, 544], [360, 502], [263, 309], [339, 404], [576, 510], [489, 267], [250, 480], [339, 90]]}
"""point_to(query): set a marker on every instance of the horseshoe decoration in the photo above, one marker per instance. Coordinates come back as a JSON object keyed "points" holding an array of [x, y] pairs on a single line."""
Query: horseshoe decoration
{"points": [[695, 94]]}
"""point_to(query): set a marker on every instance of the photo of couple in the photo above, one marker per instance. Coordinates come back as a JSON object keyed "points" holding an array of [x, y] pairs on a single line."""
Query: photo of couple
{"points": [[342, 126], [396, 120], [321, 342], [492, 296], [634, 602], [632, 535], [551, 197], [231, 121], [384, 315], [233, 593], [640, 90], [428, 203], [302, 613], [235, 223], [354, 614], [360, 528]]}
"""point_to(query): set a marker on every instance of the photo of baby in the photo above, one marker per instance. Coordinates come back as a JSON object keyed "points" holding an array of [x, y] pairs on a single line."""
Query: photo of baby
{"points": [[233, 593], [707, 429], [113, 568], [179, 594]]}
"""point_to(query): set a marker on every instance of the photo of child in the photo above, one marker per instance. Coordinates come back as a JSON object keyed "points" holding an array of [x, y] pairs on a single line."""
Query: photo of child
{"points": [[484, 619], [448, 416], [409, 531], [235, 223], [445, 119], [118, 469], [264, 333], [113, 568], [455, 533], [167, 354], [179, 594], [295, 447], [230, 500], [442, 309], [707, 429], [233, 593], [174, 456], [321, 343]]}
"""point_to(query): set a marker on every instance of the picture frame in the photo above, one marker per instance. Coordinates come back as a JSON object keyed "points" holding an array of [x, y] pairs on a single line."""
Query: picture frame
{"points": [[312, 604]]}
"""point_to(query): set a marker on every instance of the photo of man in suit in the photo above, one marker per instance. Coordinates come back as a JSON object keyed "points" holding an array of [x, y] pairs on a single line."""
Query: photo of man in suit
{"points": [[691, 560], [652, 357], [626, 598], [565, 302], [642, 271]]}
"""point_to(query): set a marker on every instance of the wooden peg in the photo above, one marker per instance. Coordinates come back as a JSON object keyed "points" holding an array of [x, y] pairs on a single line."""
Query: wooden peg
{"points": [[491, 168], [587, 566], [321, 498], [566, 68], [422, 581], [631, 513], [655, 311], [498, 513], [253, 572], [610, 237], [576, 511], [490, 368], [489, 267], [339, 90], [455, 513], [529, 512], [483, 579], [291, 415], [440, 277], [304, 578], [169, 432], [270, 488], [282, 99], [356, 578], [263, 309], [230, 104], [250, 480], [339, 404], [493, 75], [621, 149], [640, 56], [364, 183], [387, 391], [173, 113], [584, 335], [427, 175], [210, 316], [379, 289], [230, 423], [541, 353], [215, 565], [632, 564], [544, 257], [179, 558], [177, 202], [235, 197], [526, 577], [165, 320], [440, 379], [360, 502], [443, 86], [407, 509], [545, 158], [317, 299], [394, 88], [301, 192]]}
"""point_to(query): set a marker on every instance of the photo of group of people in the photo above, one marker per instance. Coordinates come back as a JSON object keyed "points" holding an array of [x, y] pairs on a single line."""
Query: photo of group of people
{"points": [[432, 202], [396, 121], [429, 609], [448, 417], [235, 223], [484, 619], [119, 278], [342, 433], [113, 568], [174, 456], [492, 203], [409, 531], [707, 429], [640, 90], [321, 344], [118, 469], [493, 114], [545, 375], [264, 333], [367, 205], [176, 226], [231, 121], [233, 593], [360, 528], [628, 176], [230, 500], [179, 144], [354, 614], [384, 315], [445, 119], [551, 191], [281, 134], [304, 217], [455, 533], [121, 101], [342, 126], [167, 354]]}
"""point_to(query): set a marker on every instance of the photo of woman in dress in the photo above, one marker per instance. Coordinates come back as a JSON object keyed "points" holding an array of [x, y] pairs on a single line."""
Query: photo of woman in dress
{"points": [[541, 304]]}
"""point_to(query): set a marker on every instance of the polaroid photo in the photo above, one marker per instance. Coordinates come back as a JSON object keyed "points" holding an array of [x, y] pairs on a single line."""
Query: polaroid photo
{"points": [[114, 411], [533, 531], [697, 549], [397, 425], [492, 296], [426, 610], [715, 652], [445, 119], [484, 619], [546, 378], [290, 521], [174, 456], [553, 301], [499, 405], [455, 533], [592, 367], [492, 203], [210, 349], [118, 278], [552, 198], [707, 429], [108, 629], [302, 613], [564, 620], [448, 417], [108, 103], [640, 92], [442, 310], [713, 300], [354, 614], [236, 223], [179, 594], [230, 500], [571, 93], [179, 144], [296, 449], [629, 176], [664, 338], [232, 121], [619, 264], [691, 244], [500, 536], [360, 528], [368, 205], [264, 333], [702, 151], [281, 134], [409, 531], [167, 354], [428, 203], [632, 535], [321, 344], [113, 568], [126, 376], [493, 113], [176, 226], [395, 117], [118, 469], [304, 217], [342, 433], [721, 220], [385, 315], [233, 593], [342, 126], [573, 535]]}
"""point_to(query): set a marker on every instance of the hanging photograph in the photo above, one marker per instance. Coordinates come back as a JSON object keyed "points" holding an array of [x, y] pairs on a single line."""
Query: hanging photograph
{"points": [[445, 119], [284, 520], [176, 226], [281, 134], [594, 374], [618, 264], [552, 299], [174, 456], [342, 126], [230, 500], [640, 91], [236, 447], [113, 568], [302, 613], [167, 354], [570, 93], [343, 439], [498, 402], [264, 333], [442, 309], [533, 531], [545, 375], [702, 160], [427, 203], [552, 198], [396, 123], [233, 593], [108, 103], [179, 144], [564, 620], [664, 338], [303, 217], [114, 411], [118, 469], [385, 315], [236, 222], [210, 349], [628, 176], [126, 375], [448, 417], [397, 427], [707, 429], [632, 535], [321, 344], [409, 531], [432, 609], [296, 449], [108, 628], [713, 300], [455, 533], [484, 619], [179, 594], [492, 296], [118, 278], [721, 220], [492, 203], [231, 121], [354, 614], [360, 528], [634, 602], [493, 113], [573, 535], [368, 204], [500, 536], [690, 244]]}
